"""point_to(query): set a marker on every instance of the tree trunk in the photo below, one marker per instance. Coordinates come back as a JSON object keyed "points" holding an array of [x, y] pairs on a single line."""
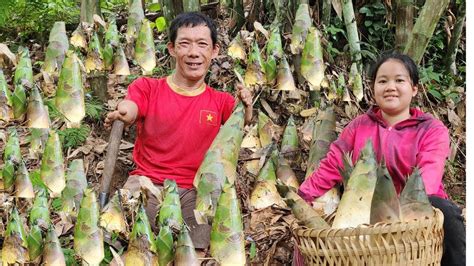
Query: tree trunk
{"points": [[169, 12], [98, 85], [326, 12], [455, 38], [352, 33], [191, 5], [88, 9], [238, 16], [404, 22], [253, 14], [424, 28]]}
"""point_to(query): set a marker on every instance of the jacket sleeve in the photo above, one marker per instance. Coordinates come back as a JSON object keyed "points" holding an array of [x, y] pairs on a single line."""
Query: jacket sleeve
{"points": [[327, 175], [431, 158]]}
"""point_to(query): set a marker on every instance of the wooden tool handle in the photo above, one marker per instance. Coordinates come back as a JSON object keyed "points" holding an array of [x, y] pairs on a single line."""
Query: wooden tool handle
{"points": [[110, 160]]}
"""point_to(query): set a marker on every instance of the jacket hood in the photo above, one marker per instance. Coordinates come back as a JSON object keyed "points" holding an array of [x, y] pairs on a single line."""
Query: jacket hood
{"points": [[417, 117]]}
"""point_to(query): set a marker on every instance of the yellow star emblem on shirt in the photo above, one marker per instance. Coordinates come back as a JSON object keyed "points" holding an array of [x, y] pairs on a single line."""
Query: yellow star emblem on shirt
{"points": [[209, 117]]}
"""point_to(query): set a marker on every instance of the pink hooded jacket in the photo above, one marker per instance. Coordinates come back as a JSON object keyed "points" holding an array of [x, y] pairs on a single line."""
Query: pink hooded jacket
{"points": [[421, 141]]}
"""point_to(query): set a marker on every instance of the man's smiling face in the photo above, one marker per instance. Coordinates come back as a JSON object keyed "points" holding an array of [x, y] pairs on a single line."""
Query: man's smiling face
{"points": [[193, 51]]}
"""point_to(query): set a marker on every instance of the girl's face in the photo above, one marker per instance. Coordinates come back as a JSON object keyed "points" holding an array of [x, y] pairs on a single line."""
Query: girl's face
{"points": [[394, 89]]}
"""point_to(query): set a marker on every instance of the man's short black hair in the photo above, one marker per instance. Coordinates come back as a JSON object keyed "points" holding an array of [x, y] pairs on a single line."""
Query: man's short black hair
{"points": [[192, 19]]}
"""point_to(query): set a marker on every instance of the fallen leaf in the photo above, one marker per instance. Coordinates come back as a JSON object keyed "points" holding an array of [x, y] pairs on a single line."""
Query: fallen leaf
{"points": [[5, 52]]}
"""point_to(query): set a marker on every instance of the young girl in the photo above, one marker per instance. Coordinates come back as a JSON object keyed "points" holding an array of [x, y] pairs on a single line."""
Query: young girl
{"points": [[405, 137]]}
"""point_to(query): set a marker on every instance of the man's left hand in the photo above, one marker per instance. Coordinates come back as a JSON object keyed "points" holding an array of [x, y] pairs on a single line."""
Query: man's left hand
{"points": [[244, 95]]}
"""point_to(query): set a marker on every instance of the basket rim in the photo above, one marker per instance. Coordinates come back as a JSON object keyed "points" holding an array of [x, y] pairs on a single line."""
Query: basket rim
{"points": [[363, 229]]}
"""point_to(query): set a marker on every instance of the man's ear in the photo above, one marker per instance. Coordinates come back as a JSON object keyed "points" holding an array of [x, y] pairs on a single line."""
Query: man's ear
{"points": [[215, 50], [170, 47]]}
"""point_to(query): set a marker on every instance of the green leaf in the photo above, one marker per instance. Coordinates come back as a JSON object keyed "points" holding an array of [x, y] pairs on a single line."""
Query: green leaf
{"points": [[253, 250], [435, 94], [154, 7], [160, 24], [366, 11]]}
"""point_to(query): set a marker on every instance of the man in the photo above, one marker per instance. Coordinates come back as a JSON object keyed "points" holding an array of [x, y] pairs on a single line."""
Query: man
{"points": [[178, 117]]}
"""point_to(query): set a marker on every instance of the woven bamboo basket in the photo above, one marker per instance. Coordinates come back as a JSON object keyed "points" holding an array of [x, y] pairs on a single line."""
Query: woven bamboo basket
{"points": [[419, 242]]}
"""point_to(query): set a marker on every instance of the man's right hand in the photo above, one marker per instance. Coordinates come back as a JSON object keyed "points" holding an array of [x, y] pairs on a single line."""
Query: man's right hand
{"points": [[127, 112]]}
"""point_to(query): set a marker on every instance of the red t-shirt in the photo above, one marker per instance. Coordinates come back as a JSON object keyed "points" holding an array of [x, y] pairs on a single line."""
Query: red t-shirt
{"points": [[175, 128]]}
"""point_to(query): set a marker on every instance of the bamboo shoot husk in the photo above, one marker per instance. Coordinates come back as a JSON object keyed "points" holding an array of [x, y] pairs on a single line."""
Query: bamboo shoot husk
{"points": [[134, 21], [37, 113], [38, 220], [265, 125], [300, 209], [70, 93], [112, 219], [94, 60], [255, 73], [145, 49], [53, 254], [227, 234], [14, 250], [354, 208], [312, 62], [142, 246], [11, 158], [385, 206], [185, 253], [164, 244], [76, 183], [300, 29], [219, 164], [111, 41], [414, 203], [285, 81], [265, 193], [23, 185], [120, 63], [236, 48], [170, 210], [88, 236], [57, 48], [52, 165], [6, 111]]}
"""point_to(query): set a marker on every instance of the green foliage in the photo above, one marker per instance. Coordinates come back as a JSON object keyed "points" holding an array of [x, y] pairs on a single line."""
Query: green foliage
{"points": [[378, 35], [74, 137], [53, 111], [336, 35], [56, 204], [438, 85], [69, 255], [94, 108], [34, 18], [108, 256], [113, 6], [161, 24]]}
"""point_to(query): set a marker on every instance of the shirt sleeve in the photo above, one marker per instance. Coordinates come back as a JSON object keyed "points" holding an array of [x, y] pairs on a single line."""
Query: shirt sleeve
{"points": [[434, 150], [327, 175], [228, 103], [139, 92]]}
